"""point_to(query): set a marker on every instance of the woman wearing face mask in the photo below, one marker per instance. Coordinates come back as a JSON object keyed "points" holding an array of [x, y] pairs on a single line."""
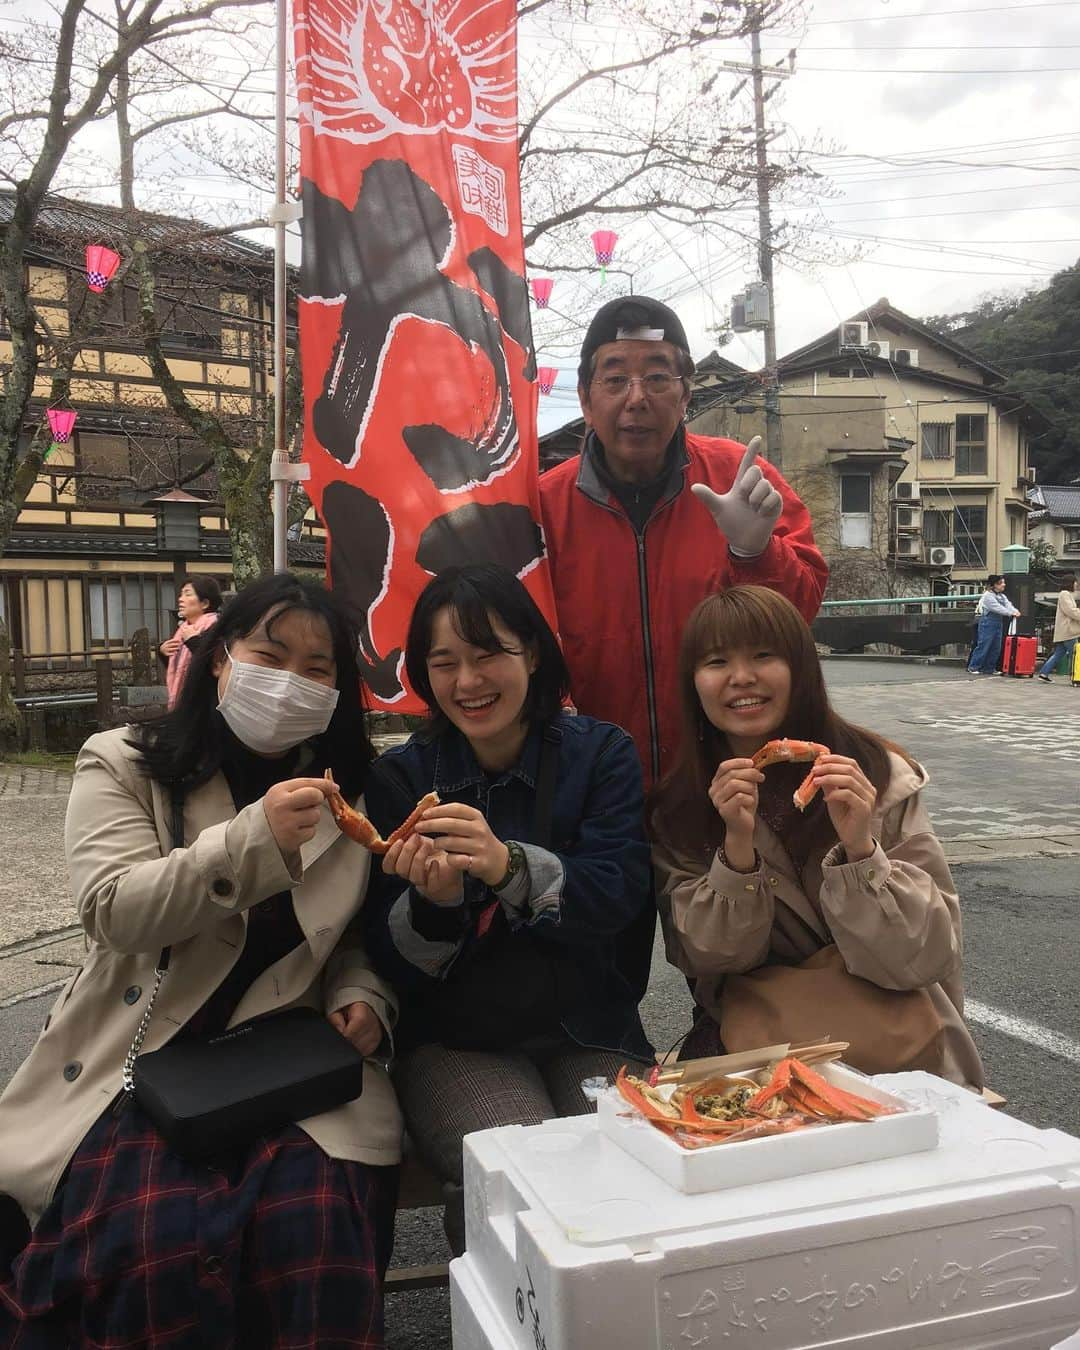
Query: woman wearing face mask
{"points": [[282, 1241], [499, 918], [197, 604]]}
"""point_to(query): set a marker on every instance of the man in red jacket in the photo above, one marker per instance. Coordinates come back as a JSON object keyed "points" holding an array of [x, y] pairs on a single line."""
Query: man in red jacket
{"points": [[651, 519]]}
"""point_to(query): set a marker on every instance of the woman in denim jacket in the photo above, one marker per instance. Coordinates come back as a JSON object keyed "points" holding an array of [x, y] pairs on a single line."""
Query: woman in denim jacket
{"points": [[498, 919]]}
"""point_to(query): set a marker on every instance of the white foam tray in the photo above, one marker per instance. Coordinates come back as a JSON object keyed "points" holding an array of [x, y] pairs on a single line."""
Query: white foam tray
{"points": [[815, 1149]]}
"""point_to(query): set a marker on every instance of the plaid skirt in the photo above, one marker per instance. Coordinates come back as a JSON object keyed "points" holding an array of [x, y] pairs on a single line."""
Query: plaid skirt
{"points": [[274, 1245]]}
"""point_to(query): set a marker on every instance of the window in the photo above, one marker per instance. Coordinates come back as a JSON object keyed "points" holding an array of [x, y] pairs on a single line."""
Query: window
{"points": [[855, 529], [1072, 539], [969, 536], [971, 443], [120, 605], [937, 527], [936, 440], [839, 372], [103, 464]]}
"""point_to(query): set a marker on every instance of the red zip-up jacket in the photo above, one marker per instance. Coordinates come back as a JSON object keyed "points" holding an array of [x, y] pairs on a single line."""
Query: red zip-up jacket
{"points": [[622, 598]]}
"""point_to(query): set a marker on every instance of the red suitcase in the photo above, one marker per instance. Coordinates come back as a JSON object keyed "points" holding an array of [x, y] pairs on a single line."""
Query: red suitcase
{"points": [[1020, 656]]}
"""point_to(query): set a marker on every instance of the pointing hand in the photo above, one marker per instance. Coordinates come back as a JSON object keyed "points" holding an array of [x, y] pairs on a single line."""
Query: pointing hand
{"points": [[748, 512]]}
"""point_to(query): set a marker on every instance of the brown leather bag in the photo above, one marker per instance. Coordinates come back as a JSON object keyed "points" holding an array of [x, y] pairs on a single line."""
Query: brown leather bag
{"points": [[887, 1029]]}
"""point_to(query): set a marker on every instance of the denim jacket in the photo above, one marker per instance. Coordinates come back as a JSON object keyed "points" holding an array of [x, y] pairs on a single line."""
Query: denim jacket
{"points": [[581, 892]]}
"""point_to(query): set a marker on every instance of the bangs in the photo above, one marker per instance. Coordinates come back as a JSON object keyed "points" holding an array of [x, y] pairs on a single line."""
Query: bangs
{"points": [[744, 617], [470, 619]]}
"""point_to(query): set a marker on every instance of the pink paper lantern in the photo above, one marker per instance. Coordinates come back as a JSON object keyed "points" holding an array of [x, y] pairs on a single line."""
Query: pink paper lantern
{"points": [[546, 377], [604, 242], [541, 291], [61, 422], [101, 265]]}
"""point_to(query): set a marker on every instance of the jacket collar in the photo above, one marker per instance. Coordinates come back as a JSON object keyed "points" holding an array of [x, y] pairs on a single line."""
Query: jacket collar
{"points": [[594, 477], [456, 766]]}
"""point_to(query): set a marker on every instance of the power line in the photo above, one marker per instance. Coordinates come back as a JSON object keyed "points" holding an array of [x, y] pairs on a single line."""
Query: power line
{"points": [[938, 13], [897, 70]]}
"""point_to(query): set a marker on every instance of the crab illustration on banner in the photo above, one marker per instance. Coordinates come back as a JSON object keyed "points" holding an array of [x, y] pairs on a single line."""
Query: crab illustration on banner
{"points": [[101, 265], [418, 364], [541, 290], [604, 242], [546, 377], [61, 424]]}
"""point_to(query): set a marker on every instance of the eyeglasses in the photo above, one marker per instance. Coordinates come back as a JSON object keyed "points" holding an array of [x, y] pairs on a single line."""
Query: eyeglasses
{"points": [[654, 385]]}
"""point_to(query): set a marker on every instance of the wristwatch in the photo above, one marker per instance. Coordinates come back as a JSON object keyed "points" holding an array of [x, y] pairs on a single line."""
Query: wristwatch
{"points": [[515, 864]]}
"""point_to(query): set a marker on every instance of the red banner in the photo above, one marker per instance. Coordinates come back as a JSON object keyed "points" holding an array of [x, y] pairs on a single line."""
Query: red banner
{"points": [[419, 376]]}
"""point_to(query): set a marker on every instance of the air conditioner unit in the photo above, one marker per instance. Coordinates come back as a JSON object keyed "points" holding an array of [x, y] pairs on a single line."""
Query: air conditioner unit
{"points": [[853, 335], [907, 546], [940, 555], [905, 356], [878, 349], [908, 517], [906, 490]]}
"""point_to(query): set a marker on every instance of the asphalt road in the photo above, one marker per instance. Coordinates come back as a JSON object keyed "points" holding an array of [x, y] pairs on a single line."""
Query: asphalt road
{"points": [[1002, 755]]}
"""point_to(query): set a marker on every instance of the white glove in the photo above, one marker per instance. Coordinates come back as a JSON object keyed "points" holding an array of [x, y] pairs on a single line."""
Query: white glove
{"points": [[748, 512]]}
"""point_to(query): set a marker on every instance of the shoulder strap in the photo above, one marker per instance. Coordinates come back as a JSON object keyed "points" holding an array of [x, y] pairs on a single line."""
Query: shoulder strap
{"points": [[545, 785]]}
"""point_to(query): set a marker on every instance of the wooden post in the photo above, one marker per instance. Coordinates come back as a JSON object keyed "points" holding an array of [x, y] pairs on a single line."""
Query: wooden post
{"points": [[10, 720], [18, 671], [103, 672], [142, 660]]}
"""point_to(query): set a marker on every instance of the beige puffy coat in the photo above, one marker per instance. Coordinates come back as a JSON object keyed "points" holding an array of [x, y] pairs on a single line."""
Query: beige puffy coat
{"points": [[136, 894], [895, 916], [1066, 617]]}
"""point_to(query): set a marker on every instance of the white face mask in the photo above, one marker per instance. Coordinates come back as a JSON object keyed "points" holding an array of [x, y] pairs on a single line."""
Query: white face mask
{"points": [[273, 710]]}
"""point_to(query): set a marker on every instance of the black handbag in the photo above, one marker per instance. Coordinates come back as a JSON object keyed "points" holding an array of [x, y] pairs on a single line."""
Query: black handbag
{"points": [[207, 1094]]}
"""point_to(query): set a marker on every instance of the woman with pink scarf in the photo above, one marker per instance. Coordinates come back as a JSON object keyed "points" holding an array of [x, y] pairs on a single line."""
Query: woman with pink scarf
{"points": [[197, 604]]}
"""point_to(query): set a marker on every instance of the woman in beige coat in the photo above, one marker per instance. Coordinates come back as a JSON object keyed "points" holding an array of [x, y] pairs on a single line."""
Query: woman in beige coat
{"points": [[282, 1241], [748, 880]]}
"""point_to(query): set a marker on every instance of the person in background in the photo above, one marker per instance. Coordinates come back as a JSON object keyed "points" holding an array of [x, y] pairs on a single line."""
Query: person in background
{"points": [[746, 879], [497, 919], [197, 604], [996, 610], [649, 520], [1066, 628], [282, 1241]]}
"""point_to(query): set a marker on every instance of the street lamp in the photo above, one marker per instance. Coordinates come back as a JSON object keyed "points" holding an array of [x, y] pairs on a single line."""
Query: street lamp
{"points": [[176, 516]]}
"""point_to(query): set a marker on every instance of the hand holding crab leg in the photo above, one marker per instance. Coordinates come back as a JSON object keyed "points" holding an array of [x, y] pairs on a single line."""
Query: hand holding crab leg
{"points": [[850, 798], [425, 865], [467, 839]]}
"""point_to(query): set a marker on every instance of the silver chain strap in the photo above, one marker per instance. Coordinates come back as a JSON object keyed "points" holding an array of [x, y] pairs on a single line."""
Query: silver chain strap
{"points": [[140, 1035]]}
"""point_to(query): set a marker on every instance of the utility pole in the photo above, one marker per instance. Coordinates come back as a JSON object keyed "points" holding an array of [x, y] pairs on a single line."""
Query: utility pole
{"points": [[773, 449]]}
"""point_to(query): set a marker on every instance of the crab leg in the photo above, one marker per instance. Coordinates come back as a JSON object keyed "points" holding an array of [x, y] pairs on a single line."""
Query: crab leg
{"points": [[410, 822], [786, 751], [357, 826]]}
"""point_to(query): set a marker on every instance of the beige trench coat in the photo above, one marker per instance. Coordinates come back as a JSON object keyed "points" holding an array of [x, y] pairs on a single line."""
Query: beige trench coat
{"points": [[895, 916], [136, 894]]}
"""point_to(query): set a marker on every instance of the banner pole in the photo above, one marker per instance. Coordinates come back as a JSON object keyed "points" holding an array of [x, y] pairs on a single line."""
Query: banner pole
{"points": [[280, 215]]}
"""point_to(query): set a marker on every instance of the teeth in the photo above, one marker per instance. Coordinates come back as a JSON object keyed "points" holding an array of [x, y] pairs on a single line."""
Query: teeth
{"points": [[473, 704], [747, 702]]}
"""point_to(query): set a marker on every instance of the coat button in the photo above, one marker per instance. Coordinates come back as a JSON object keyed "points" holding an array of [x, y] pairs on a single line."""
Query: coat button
{"points": [[133, 993], [72, 1070], [212, 1265], [773, 881], [222, 886]]}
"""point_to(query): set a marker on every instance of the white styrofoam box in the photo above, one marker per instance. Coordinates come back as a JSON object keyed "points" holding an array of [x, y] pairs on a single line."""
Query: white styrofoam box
{"points": [[1073, 1343], [475, 1324], [815, 1149], [969, 1246]]}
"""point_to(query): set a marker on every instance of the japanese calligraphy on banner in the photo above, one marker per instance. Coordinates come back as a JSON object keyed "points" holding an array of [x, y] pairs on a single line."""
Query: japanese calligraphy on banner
{"points": [[419, 377]]}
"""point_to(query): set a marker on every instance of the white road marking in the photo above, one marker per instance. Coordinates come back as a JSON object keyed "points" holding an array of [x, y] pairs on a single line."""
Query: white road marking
{"points": [[1031, 1033]]}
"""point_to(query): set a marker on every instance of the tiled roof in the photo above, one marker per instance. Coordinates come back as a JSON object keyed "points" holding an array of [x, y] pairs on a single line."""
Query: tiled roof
{"points": [[91, 222], [129, 544], [1062, 502]]}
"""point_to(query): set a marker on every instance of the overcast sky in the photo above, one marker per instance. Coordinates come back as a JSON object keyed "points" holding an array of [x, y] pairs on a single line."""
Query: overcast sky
{"points": [[987, 83]]}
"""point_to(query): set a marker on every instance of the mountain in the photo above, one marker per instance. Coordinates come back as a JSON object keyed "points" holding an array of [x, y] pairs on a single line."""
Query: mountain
{"points": [[1035, 339]]}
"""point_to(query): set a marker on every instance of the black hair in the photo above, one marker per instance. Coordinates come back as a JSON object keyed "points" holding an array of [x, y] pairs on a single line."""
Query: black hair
{"points": [[474, 593], [1068, 579], [184, 747], [207, 589], [994, 578]]}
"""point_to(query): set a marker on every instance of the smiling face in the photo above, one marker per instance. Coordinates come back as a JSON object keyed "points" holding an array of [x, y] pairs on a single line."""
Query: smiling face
{"points": [[285, 639], [634, 427], [188, 604], [745, 693], [481, 692]]}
